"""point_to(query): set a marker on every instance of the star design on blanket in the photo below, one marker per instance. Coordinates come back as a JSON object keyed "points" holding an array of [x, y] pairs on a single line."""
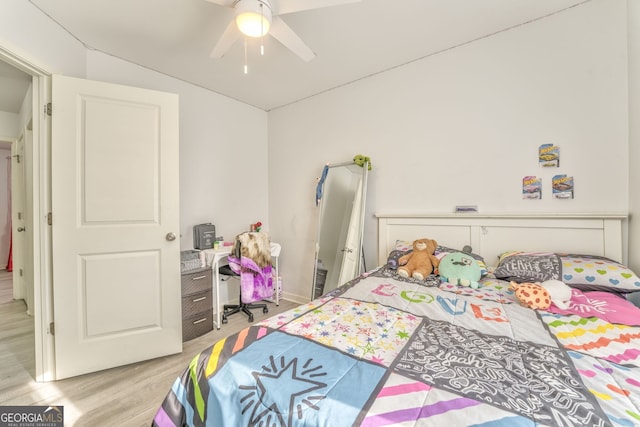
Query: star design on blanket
{"points": [[282, 390]]}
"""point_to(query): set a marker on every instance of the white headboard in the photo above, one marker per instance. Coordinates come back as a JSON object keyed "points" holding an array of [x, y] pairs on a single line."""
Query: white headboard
{"points": [[491, 235]]}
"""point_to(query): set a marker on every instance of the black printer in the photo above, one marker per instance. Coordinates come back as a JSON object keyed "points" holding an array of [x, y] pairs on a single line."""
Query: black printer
{"points": [[204, 235]]}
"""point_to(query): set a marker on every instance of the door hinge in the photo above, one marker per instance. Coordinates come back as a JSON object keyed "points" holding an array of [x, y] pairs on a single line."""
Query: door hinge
{"points": [[20, 271], [52, 328], [47, 109], [49, 218]]}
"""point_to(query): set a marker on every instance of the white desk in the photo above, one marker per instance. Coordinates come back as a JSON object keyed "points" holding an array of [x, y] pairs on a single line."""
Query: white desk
{"points": [[213, 258]]}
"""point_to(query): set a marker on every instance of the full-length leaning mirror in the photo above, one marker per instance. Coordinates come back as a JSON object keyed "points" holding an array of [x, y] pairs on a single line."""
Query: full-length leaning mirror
{"points": [[341, 198]]}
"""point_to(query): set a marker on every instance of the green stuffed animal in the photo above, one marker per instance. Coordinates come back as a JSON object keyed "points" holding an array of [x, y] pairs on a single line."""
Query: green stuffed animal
{"points": [[360, 159], [460, 269]]}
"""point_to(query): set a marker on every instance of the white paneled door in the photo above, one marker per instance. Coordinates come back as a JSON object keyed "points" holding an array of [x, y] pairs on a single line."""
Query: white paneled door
{"points": [[116, 276]]}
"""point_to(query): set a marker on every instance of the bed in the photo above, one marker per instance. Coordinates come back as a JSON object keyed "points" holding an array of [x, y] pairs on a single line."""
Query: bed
{"points": [[385, 350]]}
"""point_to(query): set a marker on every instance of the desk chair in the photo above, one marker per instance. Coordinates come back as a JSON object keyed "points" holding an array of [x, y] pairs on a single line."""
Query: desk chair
{"points": [[229, 309]]}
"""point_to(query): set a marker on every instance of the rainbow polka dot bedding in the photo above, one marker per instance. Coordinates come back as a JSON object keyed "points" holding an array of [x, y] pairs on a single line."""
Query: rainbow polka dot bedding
{"points": [[382, 350]]}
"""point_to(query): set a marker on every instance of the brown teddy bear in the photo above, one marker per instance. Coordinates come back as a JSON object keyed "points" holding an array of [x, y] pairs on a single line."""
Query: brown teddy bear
{"points": [[421, 262]]}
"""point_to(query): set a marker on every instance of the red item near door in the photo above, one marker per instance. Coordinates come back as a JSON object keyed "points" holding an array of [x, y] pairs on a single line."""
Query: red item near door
{"points": [[10, 261]]}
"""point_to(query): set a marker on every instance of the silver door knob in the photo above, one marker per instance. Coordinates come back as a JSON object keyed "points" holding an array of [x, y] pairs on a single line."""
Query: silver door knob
{"points": [[170, 237], [20, 228]]}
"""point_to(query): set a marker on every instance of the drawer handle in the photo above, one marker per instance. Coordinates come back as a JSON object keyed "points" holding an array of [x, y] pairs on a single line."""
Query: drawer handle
{"points": [[199, 277], [200, 321], [199, 299]]}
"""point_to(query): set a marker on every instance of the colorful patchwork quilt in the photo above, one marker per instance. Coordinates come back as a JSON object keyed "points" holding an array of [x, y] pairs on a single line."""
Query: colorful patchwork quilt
{"points": [[383, 350]]}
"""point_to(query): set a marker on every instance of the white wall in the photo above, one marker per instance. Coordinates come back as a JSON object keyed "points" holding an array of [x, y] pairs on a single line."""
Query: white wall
{"points": [[633, 20], [35, 38], [463, 127], [494, 99], [223, 143], [28, 34], [9, 125], [26, 109]]}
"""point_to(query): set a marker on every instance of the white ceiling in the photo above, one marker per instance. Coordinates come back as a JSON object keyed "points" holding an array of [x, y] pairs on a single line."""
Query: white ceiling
{"points": [[13, 88], [351, 41]]}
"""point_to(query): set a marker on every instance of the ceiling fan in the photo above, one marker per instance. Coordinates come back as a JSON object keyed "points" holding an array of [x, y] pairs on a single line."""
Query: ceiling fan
{"points": [[256, 18]]}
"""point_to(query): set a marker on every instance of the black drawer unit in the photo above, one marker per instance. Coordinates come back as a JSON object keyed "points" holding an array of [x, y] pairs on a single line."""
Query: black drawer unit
{"points": [[196, 281], [197, 303], [199, 324]]}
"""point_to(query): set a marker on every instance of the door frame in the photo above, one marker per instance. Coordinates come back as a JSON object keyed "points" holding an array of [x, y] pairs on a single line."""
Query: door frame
{"points": [[18, 240], [38, 199]]}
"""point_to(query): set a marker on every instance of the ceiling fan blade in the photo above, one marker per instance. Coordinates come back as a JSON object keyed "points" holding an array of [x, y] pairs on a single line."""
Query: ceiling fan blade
{"points": [[226, 3], [285, 35], [289, 6], [228, 38]]}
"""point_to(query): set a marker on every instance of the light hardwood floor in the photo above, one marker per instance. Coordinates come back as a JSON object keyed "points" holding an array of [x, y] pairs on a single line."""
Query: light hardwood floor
{"points": [[124, 396]]}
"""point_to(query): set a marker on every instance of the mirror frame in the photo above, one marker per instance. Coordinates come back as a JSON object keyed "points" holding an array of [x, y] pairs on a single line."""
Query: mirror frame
{"points": [[322, 205]]}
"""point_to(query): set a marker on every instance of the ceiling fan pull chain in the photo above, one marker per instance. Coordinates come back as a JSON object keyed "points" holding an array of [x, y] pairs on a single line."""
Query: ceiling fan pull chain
{"points": [[262, 29], [246, 67]]}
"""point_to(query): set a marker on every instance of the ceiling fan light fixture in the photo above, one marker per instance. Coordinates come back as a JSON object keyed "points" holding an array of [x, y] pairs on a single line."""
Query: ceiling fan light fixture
{"points": [[253, 17]]}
